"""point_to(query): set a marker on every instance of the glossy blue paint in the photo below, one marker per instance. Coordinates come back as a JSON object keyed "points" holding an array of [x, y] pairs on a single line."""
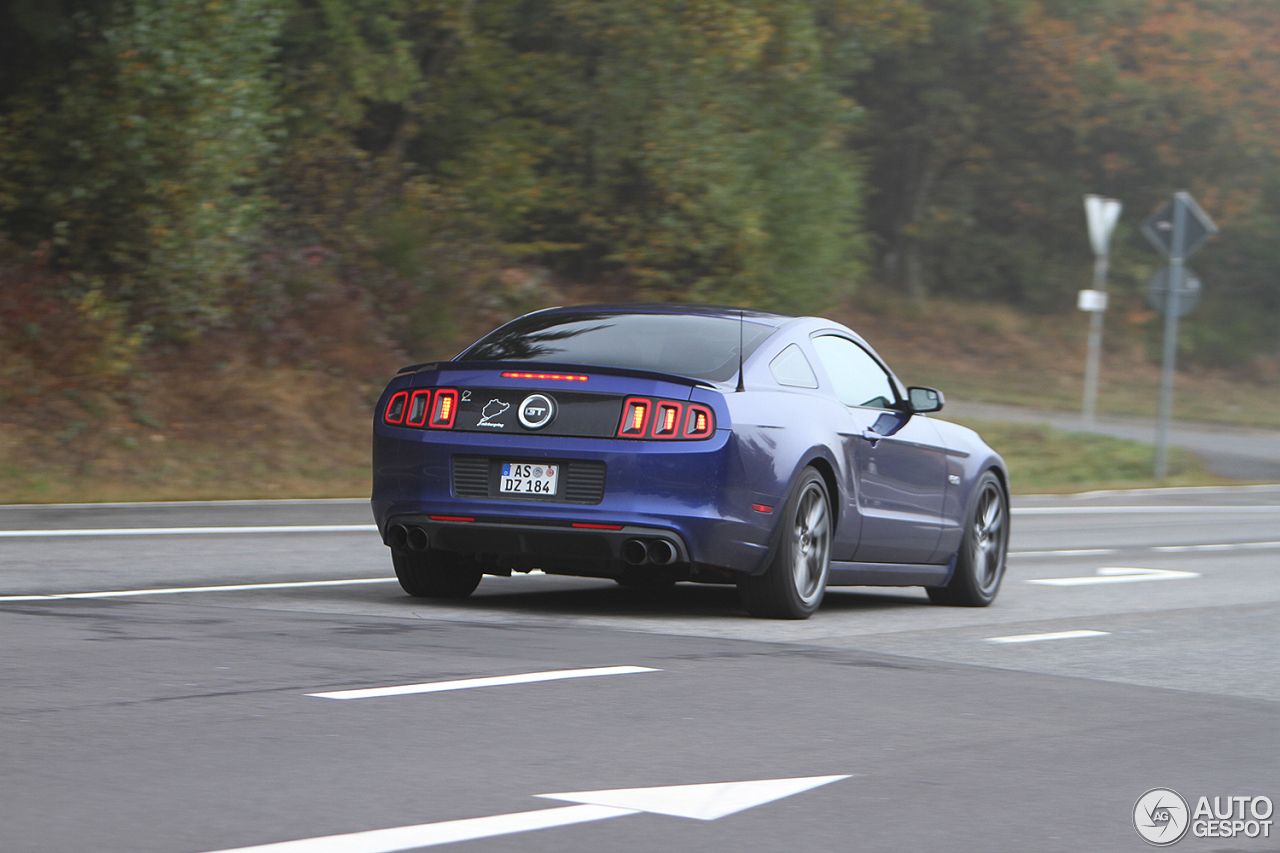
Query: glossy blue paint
{"points": [[897, 517]]}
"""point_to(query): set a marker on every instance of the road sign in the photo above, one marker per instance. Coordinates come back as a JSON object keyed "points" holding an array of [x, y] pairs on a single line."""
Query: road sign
{"points": [[1092, 300], [699, 802], [1102, 214], [1160, 226], [1188, 294]]}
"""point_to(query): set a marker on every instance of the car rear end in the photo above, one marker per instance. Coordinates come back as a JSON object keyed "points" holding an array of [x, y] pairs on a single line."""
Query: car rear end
{"points": [[562, 470]]}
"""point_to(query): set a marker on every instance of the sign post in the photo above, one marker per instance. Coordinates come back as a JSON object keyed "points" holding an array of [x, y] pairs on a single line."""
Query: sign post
{"points": [[1102, 214], [1176, 230]]}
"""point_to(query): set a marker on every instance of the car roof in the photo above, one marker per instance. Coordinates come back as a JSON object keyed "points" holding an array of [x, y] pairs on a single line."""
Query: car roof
{"points": [[769, 318]]}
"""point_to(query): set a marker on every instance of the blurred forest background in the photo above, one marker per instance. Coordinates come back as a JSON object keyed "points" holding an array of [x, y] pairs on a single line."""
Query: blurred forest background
{"points": [[200, 198]]}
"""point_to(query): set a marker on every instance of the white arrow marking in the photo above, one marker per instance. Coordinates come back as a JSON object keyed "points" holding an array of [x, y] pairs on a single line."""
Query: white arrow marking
{"points": [[701, 802], [1116, 575], [491, 681]]}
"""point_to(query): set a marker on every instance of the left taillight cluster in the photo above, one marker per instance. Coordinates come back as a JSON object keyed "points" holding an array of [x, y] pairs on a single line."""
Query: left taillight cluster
{"points": [[422, 408], [643, 417]]}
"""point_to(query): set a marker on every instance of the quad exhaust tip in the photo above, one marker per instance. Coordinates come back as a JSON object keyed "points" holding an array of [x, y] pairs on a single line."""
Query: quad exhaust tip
{"points": [[417, 539], [402, 536], [639, 552]]}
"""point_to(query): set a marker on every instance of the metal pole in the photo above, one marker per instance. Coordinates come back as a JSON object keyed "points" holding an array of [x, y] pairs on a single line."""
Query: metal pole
{"points": [[1176, 276], [1094, 359]]}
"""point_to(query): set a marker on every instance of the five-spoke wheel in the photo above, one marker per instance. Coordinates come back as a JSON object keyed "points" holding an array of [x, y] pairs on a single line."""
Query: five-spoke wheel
{"points": [[793, 585], [980, 563]]}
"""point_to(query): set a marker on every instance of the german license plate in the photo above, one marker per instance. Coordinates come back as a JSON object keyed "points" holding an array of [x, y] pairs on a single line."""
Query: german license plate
{"points": [[528, 478]]}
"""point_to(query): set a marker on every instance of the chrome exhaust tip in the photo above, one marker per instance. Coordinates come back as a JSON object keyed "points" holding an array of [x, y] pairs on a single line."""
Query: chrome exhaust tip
{"points": [[397, 536], [662, 551], [635, 552], [417, 539]]}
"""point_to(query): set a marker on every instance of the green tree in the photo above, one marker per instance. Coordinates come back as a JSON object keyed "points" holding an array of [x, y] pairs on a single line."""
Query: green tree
{"points": [[138, 146]]}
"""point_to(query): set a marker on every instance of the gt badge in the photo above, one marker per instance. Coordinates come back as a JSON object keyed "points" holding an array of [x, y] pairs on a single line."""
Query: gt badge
{"points": [[537, 411]]}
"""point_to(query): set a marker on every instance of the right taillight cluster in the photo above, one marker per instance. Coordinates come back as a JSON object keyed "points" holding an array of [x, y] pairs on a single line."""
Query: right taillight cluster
{"points": [[643, 417]]}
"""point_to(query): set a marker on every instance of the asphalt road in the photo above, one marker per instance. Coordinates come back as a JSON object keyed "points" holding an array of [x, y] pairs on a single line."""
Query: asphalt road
{"points": [[144, 709]]}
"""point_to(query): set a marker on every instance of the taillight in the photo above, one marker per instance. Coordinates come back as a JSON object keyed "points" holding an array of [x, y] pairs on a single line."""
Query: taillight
{"points": [[635, 417], [418, 409], [446, 408], [395, 407], [667, 422], [699, 422], [643, 417]]}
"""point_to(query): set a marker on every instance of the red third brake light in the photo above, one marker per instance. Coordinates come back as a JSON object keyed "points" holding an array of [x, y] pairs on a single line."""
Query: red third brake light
{"points": [[559, 377], [395, 407], [446, 408], [667, 422], [699, 422], [635, 417], [418, 409]]}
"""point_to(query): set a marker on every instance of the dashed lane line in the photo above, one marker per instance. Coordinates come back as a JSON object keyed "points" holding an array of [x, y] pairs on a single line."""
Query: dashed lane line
{"points": [[1057, 635], [1164, 549], [1117, 575], [1066, 552], [1225, 546], [1149, 510], [492, 681]]}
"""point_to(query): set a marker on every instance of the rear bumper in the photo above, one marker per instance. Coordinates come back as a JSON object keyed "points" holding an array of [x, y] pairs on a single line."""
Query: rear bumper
{"points": [[691, 493]]}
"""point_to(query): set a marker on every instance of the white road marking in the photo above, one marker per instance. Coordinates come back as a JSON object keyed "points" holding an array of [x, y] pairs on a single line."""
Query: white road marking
{"points": [[1065, 552], [153, 504], [445, 832], [1226, 546], [176, 590], [700, 802], [1035, 638], [1156, 510], [492, 681], [1118, 575], [193, 531]]}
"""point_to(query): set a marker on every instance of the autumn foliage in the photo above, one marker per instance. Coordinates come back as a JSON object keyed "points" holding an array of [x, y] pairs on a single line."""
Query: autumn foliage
{"points": [[175, 172]]}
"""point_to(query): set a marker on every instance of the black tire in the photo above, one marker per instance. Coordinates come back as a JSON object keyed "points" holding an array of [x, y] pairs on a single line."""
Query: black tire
{"points": [[436, 574], [980, 564], [793, 585]]}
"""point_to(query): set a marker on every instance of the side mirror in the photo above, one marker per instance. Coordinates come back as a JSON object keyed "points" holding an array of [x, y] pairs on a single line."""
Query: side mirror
{"points": [[924, 400]]}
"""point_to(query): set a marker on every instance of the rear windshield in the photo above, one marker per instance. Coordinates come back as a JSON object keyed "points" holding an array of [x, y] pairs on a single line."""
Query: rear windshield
{"points": [[696, 346]]}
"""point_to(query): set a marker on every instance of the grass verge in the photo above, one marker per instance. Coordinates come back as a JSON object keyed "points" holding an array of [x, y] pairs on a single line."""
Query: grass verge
{"points": [[1044, 460]]}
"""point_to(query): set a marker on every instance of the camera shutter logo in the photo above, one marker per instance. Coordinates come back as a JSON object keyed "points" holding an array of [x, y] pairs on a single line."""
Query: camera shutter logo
{"points": [[1161, 817], [537, 411]]}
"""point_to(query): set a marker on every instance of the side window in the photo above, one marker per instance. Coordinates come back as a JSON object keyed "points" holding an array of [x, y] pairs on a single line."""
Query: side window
{"points": [[858, 379], [790, 367]]}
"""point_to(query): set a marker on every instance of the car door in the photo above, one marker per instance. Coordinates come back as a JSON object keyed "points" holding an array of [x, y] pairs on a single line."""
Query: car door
{"points": [[899, 464]]}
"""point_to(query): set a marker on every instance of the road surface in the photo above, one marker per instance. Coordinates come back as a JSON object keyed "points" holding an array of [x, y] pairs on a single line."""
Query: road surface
{"points": [[162, 663]]}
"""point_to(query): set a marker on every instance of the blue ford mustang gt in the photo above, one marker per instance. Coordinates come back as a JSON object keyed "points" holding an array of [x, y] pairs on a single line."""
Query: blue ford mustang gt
{"points": [[659, 443]]}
